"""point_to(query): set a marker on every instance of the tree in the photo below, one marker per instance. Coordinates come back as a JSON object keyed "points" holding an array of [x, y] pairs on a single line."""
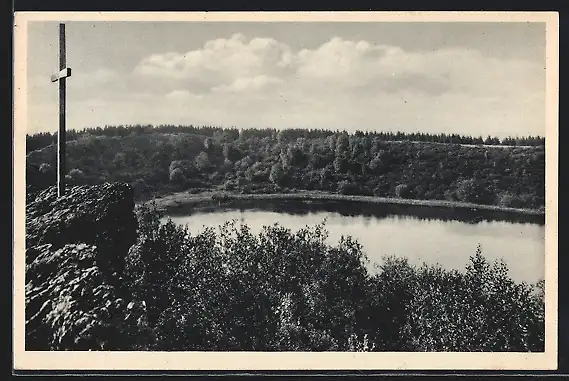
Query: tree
{"points": [[369, 160], [202, 162], [312, 151], [331, 143], [255, 172], [302, 144], [120, 160], [402, 190], [244, 163], [347, 187], [340, 164], [342, 144], [46, 169], [177, 176], [76, 176], [176, 164], [226, 167], [326, 177], [375, 164], [293, 156], [208, 145], [473, 190], [230, 152], [139, 186], [277, 174], [46, 175]]}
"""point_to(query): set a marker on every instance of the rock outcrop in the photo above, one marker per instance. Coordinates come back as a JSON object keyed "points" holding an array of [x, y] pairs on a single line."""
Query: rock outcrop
{"points": [[76, 245]]}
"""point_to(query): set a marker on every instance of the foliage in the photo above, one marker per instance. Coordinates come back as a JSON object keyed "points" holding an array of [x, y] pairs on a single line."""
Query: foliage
{"points": [[281, 290], [97, 278], [177, 176], [216, 134], [480, 310], [473, 190], [384, 164]]}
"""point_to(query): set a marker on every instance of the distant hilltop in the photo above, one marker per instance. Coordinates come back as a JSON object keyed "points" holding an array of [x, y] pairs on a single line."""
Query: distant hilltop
{"points": [[43, 139]]}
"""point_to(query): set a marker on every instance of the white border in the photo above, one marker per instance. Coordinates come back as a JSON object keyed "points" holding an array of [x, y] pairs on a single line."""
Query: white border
{"points": [[26, 360]]}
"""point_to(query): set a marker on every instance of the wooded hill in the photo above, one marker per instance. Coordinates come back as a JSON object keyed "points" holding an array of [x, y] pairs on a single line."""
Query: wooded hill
{"points": [[158, 160]]}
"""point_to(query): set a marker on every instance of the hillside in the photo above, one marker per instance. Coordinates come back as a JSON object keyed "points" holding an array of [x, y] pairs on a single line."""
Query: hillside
{"points": [[161, 161]]}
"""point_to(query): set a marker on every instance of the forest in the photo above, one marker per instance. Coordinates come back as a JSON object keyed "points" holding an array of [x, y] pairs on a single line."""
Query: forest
{"points": [[44, 139], [164, 159]]}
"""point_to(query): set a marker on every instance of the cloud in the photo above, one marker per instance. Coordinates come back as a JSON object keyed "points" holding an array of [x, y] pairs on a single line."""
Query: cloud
{"points": [[220, 61], [181, 95], [261, 82], [346, 62], [237, 64], [358, 65]]}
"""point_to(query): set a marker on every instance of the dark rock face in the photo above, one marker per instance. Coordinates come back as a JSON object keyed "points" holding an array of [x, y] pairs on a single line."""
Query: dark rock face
{"points": [[101, 215], [75, 252]]}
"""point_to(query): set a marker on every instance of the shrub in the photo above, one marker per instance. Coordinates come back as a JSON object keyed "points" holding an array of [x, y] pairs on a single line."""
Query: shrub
{"points": [[402, 191], [480, 310], [348, 188], [177, 176], [472, 190], [229, 289], [510, 200]]}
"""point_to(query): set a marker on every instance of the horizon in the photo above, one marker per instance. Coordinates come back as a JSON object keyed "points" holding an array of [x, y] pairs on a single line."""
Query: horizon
{"points": [[85, 130], [473, 79]]}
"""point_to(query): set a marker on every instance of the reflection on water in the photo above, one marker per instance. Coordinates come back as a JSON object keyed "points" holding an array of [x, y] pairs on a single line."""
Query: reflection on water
{"points": [[366, 209], [428, 237]]}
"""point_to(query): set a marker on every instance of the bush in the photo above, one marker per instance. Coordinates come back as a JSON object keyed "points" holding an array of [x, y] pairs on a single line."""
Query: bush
{"points": [[348, 188], [402, 191], [510, 200], [177, 176], [480, 310], [472, 190], [228, 289], [76, 177]]}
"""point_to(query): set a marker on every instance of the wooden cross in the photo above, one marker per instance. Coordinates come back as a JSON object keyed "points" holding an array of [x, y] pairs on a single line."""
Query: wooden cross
{"points": [[64, 72]]}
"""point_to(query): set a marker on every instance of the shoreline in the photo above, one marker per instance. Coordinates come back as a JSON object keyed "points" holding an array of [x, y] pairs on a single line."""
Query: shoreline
{"points": [[207, 199]]}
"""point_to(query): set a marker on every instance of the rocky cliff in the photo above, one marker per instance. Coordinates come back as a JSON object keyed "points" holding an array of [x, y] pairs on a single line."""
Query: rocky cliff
{"points": [[76, 296]]}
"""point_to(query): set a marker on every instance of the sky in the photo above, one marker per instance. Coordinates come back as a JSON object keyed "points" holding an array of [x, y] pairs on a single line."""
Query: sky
{"points": [[475, 78]]}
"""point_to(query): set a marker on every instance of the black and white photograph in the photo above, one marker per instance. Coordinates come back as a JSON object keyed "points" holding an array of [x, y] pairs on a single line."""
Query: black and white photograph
{"points": [[316, 184]]}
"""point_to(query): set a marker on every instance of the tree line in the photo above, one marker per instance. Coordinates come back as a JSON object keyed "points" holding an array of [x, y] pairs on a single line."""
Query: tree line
{"points": [[162, 159], [44, 139]]}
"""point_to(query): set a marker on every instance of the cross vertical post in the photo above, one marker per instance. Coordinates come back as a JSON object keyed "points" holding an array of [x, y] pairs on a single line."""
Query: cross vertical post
{"points": [[64, 72], [61, 135]]}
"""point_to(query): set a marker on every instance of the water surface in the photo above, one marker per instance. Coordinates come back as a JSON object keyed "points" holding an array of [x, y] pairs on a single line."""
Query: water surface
{"points": [[419, 238]]}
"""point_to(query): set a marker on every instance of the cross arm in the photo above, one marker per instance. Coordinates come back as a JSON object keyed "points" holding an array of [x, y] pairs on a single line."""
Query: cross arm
{"points": [[62, 74]]}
